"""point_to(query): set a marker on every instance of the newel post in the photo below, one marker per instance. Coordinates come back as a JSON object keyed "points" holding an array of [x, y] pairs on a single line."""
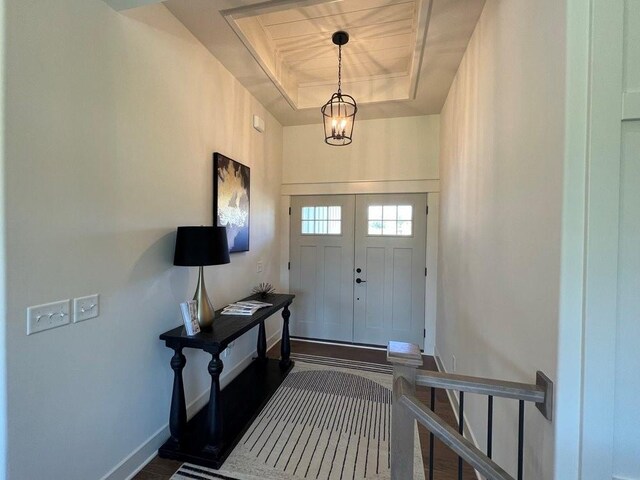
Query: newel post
{"points": [[405, 358]]}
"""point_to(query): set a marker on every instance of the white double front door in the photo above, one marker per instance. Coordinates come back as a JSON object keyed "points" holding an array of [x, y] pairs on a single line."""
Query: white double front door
{"points": [[358, 267]]}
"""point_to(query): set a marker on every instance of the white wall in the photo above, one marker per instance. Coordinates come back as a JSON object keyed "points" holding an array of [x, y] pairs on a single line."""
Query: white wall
{"points": [[111, 125], [390, 149], [502, 155]]}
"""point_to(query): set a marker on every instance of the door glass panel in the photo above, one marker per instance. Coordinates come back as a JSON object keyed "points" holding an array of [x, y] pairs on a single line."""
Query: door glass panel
{"points": [[389, 227], [390, 220], [335, 213], [405, 228], [334, 227], [308, 213], [321, 228], [389, 212], [405, 212], [321, 220], [375, 227], [375, 212]]}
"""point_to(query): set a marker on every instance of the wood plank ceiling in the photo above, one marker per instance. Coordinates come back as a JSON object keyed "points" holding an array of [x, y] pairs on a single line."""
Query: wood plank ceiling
{"points": [[295, 48], [383, 35], [400, 61]]}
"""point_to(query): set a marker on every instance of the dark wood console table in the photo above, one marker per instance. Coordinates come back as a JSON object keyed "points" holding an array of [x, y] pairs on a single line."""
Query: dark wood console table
{"points": [[208, 438]]}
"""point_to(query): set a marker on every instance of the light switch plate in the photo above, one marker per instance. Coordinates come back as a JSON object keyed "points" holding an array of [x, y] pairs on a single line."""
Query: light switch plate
{"points": [[85, 308], [260, 266], [48, 315]]}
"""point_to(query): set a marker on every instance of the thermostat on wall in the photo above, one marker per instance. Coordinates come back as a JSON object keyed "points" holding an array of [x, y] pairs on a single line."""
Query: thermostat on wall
{"points": [[258, 123]]}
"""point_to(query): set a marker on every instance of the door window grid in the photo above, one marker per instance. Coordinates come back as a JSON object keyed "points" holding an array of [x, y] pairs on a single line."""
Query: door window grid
{"points": [[390, 220], [321, 220]]}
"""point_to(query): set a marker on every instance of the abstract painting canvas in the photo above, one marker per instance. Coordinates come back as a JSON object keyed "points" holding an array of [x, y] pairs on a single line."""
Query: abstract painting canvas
{"points": [[231, 190]]}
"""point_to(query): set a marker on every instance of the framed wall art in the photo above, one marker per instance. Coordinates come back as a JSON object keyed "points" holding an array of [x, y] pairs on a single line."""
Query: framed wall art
{"points": [[231, 200]]}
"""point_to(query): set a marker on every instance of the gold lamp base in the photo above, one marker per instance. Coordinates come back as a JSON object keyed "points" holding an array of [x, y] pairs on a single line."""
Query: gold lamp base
{"points": [[205, 309]]}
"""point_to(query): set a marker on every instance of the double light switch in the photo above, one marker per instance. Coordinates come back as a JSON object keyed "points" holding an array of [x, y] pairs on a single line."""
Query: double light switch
{"points": [[57, 314]]}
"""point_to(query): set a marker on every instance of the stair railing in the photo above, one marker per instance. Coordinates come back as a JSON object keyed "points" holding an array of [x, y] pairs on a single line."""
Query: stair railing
{"points": [[406, 359]]}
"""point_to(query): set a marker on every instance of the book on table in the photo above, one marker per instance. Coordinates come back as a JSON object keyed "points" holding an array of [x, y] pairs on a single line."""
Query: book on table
{"points": [[190, 317], [245, 308]]}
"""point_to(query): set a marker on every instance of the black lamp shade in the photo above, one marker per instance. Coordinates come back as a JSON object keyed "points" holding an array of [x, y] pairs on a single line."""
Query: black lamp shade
{"points": [[201, 246]]}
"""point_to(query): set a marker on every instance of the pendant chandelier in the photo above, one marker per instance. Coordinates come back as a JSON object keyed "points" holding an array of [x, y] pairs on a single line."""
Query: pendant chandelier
{"points": [[339, 113]]}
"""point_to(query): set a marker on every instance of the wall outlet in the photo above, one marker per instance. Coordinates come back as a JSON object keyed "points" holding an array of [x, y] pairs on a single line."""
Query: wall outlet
{"points": [[260, 266], [49, 315], [453, 363], [85, 308]]}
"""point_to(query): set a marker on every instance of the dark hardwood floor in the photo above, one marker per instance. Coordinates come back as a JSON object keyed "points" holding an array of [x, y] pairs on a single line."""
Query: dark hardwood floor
{"points": [[445, 461]]}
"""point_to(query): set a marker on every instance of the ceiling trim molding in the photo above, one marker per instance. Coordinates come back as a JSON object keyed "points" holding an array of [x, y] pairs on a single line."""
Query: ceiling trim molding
{"points": [[424, 19], [232, 15], [270, 6], [376, 186], [231, 19]]}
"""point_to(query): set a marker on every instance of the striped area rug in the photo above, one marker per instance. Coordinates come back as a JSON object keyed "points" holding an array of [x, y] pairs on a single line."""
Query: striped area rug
{"points": [[329, 420]]}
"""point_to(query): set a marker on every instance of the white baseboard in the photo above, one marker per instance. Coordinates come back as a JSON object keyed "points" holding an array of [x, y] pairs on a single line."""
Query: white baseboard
{"points": [[454, 405], [136, 460]]}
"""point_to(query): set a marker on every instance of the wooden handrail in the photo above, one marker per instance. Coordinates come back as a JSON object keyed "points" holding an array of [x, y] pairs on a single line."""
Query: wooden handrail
{"points": [[447, 435], [483, 386]]}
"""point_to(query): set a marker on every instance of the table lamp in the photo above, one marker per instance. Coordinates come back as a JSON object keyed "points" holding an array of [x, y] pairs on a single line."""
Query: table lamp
{"points": [[199, 247]]}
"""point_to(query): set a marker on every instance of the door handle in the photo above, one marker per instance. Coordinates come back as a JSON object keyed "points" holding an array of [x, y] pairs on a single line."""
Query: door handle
{"points": [[359, 280]]}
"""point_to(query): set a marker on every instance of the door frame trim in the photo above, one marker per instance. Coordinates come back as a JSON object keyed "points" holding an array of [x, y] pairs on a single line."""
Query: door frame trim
{"points": [[584, 413]]}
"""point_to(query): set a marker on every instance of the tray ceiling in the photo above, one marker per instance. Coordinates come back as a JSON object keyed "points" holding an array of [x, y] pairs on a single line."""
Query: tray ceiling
{"points": [[293, 46], [401, 58]]}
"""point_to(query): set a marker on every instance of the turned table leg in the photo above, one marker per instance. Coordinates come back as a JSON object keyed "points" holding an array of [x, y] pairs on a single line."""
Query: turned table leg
{"points": [[262, 343], [285, 344], [178, 413], [214, 411]]}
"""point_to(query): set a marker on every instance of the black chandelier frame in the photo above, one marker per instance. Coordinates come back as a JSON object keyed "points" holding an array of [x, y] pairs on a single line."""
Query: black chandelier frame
{"points": [[339, 113]]}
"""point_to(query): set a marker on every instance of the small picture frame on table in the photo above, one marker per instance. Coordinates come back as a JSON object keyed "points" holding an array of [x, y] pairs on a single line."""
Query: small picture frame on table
{"points": [[189, 312]]}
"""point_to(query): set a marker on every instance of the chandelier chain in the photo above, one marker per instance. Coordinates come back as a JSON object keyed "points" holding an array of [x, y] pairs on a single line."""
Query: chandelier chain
{"points": [[339, 69]]}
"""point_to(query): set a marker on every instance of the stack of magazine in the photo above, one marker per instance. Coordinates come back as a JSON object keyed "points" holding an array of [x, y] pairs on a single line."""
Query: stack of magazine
{"points": [[247, 308]]}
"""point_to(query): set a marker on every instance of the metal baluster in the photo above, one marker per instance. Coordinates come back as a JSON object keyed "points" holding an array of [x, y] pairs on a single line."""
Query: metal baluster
{"points": [[431, 436], [490, 427], [520, 440], [460, 428]]}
